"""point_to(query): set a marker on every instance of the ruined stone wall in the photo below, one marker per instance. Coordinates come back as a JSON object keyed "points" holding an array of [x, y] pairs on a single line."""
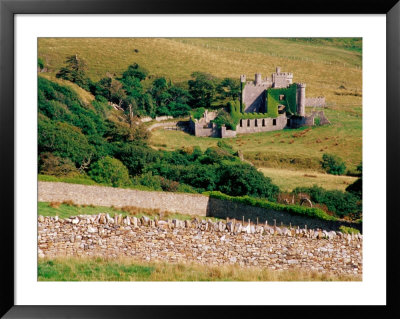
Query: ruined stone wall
{"points": [[316, 101], [203, 242], [248, 126], [201, 131], [225, 133]]}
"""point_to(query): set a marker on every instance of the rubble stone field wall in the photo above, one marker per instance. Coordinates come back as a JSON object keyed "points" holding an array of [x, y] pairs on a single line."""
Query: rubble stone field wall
{"points": [[189, 204], [200, 241]]}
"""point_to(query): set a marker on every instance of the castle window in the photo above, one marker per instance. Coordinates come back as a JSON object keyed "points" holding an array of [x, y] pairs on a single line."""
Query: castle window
{"points": [[241, 123], [274, 122], [248, 122], [256, 124], [263, 122]]}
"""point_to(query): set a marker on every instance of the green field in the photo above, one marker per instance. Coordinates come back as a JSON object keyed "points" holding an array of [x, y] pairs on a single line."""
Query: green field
{"points": [[99, 269]]}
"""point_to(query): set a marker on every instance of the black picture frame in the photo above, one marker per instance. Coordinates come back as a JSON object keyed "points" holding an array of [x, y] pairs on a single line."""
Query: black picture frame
{"points": [[9, 8]]}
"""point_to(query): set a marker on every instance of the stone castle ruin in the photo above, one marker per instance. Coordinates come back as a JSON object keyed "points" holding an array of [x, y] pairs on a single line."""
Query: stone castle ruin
{"points": [[276, 101]]}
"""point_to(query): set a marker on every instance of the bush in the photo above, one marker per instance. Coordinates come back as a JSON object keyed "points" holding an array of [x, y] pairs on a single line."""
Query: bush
{"points": [[136, 157], [198, 113], [63, 140], [240, 179], [40, 63], [109, 170], [49, 164], [333, 164], [148, 180], [340, 203], [292, 209]]}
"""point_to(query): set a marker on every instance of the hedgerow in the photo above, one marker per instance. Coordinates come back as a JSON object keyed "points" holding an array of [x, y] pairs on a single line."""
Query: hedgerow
{"points": [[291, 209]]}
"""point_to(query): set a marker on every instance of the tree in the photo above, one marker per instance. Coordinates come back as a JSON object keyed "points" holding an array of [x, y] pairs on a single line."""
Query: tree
{"points": [[169, 99], [229, 88], [117, 92], [333, 164], [64, 140], [203, 89], [110, 171], [74, 71]]}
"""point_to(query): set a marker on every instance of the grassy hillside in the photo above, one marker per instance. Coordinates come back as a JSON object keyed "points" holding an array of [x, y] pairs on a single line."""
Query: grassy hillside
{"points": [[323, 67], [329, 66]]}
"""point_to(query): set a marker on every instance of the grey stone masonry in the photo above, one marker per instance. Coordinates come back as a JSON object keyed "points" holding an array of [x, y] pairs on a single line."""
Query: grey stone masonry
{"points": [[189, 204], [200, 241]]}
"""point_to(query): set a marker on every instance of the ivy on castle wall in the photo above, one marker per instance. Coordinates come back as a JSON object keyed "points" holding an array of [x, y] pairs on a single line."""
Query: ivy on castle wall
{"points": [[289, 101]]}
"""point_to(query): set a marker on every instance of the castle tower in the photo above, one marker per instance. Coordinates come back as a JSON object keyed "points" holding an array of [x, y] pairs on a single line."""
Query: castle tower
{"points": [[301, 99], [278, 69], [257, 79], [243, 78]]}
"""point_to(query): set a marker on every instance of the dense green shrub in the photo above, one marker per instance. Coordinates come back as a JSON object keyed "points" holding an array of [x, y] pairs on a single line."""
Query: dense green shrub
{"points": [[49, 164], [292, 209], [238, 179], [136, 157], [63, 140], [198, 113], [338, 202], [40, 63], [333, 164], [148, 180], [111, 171]]}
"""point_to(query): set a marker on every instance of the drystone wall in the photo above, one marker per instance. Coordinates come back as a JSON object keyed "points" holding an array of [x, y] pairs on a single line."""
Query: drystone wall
{"points": [[189, 204], [200, 241]]}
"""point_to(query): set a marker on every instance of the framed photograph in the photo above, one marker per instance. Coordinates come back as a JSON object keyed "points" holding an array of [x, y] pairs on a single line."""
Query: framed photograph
{"points": [[172, 154]]}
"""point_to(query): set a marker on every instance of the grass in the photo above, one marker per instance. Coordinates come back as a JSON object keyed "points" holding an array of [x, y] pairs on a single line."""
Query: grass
{"points": [[330, 67], [67, 209], [124, 269], [288, 179], [323, 67], [290, 148], [84, 95], [84, 180], [348, 230]]}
